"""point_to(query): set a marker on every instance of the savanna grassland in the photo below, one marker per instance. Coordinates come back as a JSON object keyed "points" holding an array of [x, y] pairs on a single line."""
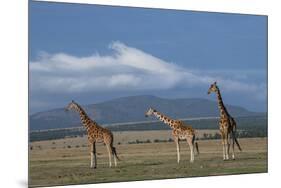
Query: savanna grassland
{"points": [[152, 156]]}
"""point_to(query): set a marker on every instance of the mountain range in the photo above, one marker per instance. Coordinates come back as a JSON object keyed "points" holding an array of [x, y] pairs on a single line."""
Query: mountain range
{"points": [[132, 109]]}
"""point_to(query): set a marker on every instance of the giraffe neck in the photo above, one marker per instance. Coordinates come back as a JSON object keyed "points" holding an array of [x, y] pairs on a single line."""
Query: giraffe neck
{"points": [[164, 119], [222, 108], [86, 121]]}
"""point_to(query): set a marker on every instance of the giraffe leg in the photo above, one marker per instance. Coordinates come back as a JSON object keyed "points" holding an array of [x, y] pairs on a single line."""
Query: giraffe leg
{"points": [[233, 143], [93, 155], [92, 159], [109, 154], [224, 149], [189, 142], [223, 146], [222, 142], [115, 161], [114, 155], [227, 146], [178, 149]]}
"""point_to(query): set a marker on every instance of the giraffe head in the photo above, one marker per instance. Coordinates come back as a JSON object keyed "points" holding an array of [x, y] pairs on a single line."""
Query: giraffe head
{"points": [[213, 88], [71, 106], [149, 112]]}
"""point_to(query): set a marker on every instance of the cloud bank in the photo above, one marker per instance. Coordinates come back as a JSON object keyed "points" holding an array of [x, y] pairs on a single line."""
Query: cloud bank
{"points": [[125, 69]]}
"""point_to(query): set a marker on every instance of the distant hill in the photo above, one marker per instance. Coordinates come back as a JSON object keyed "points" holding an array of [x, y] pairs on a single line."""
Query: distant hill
{"points": [[131, 109]]}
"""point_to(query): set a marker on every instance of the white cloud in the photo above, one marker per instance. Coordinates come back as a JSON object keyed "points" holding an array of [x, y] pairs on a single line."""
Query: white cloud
{"points": [[127, 68]]}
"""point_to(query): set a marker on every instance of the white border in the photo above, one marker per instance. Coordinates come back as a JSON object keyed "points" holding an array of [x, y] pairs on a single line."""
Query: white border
{"points": [[13, 82], [232, 6]]}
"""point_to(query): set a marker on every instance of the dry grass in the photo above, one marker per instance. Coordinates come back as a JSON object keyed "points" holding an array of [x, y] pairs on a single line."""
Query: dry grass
{"points": [[56, 164], [119, 137]]}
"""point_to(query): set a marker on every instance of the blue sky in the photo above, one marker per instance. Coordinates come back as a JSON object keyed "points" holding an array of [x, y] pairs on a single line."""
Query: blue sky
{"points": [[93, 53]]}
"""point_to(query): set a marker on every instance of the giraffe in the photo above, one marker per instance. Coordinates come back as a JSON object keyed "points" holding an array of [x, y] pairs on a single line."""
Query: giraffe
{"points": [[95, 133], [179, 131], [227, 125]]}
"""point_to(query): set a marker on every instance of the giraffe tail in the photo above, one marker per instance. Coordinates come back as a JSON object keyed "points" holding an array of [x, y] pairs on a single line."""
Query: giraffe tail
{"points": [[235, 140], [237, 143], [115, 153]]}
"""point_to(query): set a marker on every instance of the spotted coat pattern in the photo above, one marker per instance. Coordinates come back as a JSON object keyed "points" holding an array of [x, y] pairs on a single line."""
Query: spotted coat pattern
{"points": [[227, 124], [180, 131], [95, 134]]}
